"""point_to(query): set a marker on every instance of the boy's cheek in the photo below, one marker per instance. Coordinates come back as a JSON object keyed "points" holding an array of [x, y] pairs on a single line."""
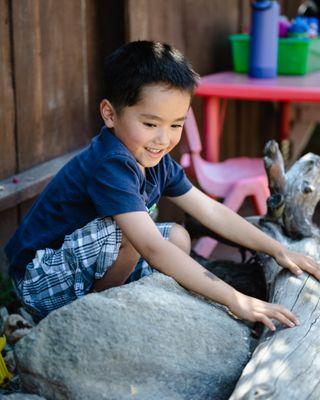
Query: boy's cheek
{"points": [[175, 142]]}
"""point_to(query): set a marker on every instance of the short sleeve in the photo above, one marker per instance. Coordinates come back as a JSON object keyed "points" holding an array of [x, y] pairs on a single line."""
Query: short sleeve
{"points": [[176, 183], [114, 186]]}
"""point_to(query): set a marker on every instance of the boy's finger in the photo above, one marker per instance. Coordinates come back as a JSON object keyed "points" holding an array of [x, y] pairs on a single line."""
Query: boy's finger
{"points": [[292, 267], [295, 270], [266, 321], [284, 320], [313, 269], [286, 313]]}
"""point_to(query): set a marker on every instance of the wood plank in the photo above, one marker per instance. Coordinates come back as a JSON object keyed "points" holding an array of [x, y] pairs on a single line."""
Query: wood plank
{"points": [[52, 101], [177, 22], [258, 122], [304, 120], [8, 218], [7, 113], [206, 28], [228, 144], [27, 184], [154, 20], [25, 206], [102, 38], [290, 8], [244, 16], [9, 223]]}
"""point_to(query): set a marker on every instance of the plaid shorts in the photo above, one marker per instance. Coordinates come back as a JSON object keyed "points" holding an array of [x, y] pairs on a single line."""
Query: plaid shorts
{"points": [[55, 278]]}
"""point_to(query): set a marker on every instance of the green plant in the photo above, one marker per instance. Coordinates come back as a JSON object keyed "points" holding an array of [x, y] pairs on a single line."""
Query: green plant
{"points": [[7, 295]]}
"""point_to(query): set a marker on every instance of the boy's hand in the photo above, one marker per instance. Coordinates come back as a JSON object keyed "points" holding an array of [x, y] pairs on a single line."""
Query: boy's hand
{"points": [[255, 310], [297, 263]]}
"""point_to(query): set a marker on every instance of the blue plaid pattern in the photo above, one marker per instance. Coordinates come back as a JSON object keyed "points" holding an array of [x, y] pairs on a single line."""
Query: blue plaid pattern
{"points": [[55, 278]]}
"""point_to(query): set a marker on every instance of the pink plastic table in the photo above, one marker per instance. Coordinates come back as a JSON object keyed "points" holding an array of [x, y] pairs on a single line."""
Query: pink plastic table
{"points": [[231, 85]]}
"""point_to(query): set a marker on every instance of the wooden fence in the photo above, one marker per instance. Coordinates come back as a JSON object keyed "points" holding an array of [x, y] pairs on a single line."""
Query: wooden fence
{"points": [[51, 54]]}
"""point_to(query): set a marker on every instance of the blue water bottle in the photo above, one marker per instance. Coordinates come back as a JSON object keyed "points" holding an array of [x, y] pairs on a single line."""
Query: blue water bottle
{"points": [[263, 56]]}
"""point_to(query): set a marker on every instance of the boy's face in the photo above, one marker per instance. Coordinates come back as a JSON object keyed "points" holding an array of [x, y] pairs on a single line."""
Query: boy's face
{"points": [[152, 127]]}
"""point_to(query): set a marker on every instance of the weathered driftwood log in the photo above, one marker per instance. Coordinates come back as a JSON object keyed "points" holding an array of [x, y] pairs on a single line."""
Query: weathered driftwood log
{"points": [[286, 364]]}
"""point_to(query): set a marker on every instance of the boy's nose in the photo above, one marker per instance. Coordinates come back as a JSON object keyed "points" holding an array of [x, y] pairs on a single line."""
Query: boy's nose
{"points": [[163, 138]]}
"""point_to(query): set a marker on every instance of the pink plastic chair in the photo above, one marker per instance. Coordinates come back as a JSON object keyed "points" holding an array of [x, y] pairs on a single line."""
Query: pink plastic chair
{"points": [[233, 179]]}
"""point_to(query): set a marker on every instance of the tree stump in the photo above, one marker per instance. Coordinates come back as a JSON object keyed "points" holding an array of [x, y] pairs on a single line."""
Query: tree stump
{"points": [[286, 363]]}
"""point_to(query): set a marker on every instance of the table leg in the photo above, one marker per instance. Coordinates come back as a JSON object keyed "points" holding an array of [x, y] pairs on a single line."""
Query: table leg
{"points": [[212, 128], [285, 143]]}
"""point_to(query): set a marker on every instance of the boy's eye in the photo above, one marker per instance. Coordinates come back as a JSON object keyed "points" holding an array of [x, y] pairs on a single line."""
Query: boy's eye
{"points": [[176, 126], [149, 125]]}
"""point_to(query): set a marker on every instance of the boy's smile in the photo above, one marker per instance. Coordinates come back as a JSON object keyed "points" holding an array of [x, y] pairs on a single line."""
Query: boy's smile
{"points": [[152, 127]]}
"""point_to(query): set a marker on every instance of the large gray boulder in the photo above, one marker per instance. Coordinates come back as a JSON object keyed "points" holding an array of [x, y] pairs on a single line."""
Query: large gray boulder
{"points": [[148, 340], [21, 396]]}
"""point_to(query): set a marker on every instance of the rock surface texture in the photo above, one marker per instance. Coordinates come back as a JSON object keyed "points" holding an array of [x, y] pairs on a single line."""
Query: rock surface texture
{"points": [[148, 340]]}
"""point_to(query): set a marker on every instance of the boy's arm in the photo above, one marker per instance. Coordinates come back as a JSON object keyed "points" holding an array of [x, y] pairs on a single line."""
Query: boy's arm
{"points": [[230, 225], [170, 260]]}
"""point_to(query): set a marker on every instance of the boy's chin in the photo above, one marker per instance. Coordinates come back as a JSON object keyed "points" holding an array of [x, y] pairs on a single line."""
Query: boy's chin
{"points": [[149, 163], [153, 164]]}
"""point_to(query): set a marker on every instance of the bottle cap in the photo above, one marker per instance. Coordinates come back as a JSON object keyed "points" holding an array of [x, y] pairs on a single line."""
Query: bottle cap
{"points": [[262, 4]]}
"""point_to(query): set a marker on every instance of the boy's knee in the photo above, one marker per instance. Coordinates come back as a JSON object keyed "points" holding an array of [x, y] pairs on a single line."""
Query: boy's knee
{"points": [[180, 237]]}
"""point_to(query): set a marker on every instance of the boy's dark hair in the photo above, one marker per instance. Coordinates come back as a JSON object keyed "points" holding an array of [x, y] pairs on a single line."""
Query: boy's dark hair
{"points": [[134, 65]]}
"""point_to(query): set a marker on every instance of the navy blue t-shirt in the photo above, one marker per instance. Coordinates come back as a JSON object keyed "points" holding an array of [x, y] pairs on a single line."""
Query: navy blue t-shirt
{"points": [[101, 181]]}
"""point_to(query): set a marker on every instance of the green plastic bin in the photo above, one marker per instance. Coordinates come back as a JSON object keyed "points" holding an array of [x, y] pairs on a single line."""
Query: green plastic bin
{"points": [[295, 56]]}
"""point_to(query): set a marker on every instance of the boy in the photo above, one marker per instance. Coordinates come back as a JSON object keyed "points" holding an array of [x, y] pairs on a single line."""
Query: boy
{"points": [[90, 225]]}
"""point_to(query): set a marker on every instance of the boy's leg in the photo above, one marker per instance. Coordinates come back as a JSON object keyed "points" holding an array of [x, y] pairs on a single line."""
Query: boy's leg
{"points": [[55, 278], [180, 237], [122, 269]]}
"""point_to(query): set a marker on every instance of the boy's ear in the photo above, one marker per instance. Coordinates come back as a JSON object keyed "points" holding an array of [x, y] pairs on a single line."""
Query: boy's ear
{"points": [[107, 113]]}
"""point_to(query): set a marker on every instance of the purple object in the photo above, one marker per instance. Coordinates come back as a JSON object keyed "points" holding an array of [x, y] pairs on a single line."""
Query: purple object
{"points": [[264, 39], [284, 25]]}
